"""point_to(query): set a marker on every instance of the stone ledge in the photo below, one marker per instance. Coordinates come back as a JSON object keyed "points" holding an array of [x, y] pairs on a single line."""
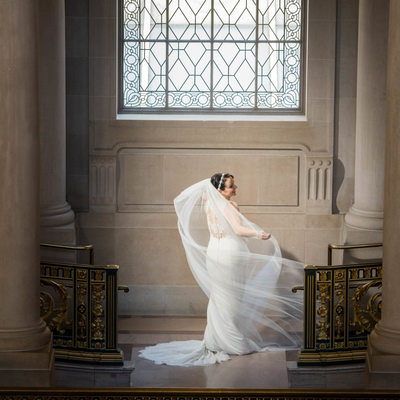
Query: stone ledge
{"points": [[81, 375], [27, 368], [326, 377]]}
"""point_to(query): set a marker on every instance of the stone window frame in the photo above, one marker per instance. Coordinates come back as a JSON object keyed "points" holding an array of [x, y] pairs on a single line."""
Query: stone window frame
{"points": [[266, 114]]}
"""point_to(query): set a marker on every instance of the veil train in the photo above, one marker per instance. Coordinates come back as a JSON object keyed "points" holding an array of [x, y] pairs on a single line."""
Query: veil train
{"points": [[251, 306]]}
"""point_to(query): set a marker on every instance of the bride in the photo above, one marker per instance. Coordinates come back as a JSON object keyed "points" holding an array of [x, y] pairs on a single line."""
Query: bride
{"points": [[241, 270]]}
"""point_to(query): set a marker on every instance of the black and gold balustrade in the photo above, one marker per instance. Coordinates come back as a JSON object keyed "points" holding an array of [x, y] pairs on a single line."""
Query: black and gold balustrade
{"points": [[342, 304], [79, 304]]}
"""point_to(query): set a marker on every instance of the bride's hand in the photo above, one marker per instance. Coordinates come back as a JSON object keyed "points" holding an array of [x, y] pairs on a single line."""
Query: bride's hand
{"points": [[263, 236]]}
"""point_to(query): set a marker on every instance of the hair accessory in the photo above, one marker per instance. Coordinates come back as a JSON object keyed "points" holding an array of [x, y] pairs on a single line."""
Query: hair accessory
{"points": [[220, 181]]}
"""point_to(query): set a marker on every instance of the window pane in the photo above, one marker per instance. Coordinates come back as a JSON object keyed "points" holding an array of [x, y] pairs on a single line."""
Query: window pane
{"points": [[271, 16], [292, 20], [278, 71], [146, 20], [144, 74], [270, 75], [234, 66], [234, 20], [190, 19], [292, 74], [234, 76], [131, 20], [189, 74]]}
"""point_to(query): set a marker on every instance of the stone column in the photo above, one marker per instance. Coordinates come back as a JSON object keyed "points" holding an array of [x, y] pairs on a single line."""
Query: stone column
{"points": [[26, 354], [367, 211], [384, 342], [56, 217]]}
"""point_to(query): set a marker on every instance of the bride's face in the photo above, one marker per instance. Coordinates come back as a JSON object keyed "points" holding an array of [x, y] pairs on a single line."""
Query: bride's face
{"points": [[230, 189]]}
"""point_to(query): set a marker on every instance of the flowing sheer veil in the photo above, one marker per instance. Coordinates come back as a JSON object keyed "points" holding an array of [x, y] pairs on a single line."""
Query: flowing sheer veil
{"points": [[249, 277], [251, 306]]}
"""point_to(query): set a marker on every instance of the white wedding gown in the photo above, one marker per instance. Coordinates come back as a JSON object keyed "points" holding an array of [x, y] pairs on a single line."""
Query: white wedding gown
{"points": [[248, 309]]}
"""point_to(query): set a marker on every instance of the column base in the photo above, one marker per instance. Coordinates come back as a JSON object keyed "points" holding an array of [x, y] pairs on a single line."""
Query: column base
{"points": [[383, 369], [27, 368], [385, 341], [57, 225], [56, 215], [25, 339], [351, 235], [360, 219]]}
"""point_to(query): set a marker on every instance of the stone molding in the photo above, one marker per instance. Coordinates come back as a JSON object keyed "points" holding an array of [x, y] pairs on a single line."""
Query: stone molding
{"points": [[56, 216], [364, 219], [102, 183], [314, 188], [25, 339], [270, 180], [319, 185]]}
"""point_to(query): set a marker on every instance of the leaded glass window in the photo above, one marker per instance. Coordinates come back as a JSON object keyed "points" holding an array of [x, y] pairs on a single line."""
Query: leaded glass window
{"points": [[211, 55]]}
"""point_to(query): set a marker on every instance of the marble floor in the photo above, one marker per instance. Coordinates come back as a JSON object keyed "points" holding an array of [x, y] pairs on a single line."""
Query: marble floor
{"points": [[258, 370], [271, 370]]}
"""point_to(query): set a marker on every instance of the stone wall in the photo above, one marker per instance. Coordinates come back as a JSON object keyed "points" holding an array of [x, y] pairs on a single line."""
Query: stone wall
{"points": [[284, 168]]}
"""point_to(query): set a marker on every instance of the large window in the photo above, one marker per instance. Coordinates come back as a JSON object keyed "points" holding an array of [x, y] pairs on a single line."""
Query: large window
{"points": [[211, 55]]}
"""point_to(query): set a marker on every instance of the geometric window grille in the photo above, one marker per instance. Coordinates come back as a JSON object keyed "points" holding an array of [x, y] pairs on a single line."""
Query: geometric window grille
{"points": [[211, 55]]}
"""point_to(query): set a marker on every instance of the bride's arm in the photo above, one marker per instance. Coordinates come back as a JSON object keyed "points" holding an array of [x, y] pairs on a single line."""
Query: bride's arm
{"points": [[238, 228]]}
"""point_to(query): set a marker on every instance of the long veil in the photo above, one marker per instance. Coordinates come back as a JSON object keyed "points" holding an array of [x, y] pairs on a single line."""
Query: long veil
{"points": [[246, 279]]}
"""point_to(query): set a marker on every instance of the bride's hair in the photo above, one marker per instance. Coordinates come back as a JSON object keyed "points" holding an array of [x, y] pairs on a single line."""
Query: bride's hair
{"points": [[217, 182]]}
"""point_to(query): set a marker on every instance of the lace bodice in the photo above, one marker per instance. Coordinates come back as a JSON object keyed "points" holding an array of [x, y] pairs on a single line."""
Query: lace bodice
{"points": [[216, 230]]}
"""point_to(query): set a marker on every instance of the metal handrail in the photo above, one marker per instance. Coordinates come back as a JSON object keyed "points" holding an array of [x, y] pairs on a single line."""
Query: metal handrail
{"points": [[124, 288], [296, 288], [77, 265], [88, 248], [349, 247]]}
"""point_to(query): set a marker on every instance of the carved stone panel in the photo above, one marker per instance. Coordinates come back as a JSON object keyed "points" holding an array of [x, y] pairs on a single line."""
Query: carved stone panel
{"points": [[319, 185], [268, 180], [102, 184]]}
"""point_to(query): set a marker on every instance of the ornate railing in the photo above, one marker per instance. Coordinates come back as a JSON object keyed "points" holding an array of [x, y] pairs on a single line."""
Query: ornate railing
{"points": [[79, 304], [342, 304]]}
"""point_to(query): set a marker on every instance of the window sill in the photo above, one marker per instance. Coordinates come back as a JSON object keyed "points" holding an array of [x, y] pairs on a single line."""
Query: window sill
{"points": [[210, 117]]}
